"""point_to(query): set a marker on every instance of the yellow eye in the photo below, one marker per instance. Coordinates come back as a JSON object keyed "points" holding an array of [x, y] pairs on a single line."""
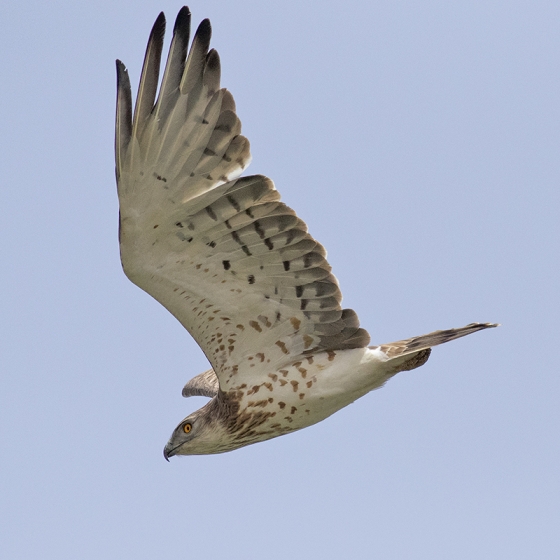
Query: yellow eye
{"points": [[187, 427]]}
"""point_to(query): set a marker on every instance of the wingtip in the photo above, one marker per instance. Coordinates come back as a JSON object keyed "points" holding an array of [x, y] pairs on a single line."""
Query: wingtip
{"points": [[158, 29], [213, 60], [204, 31], [123, 117], [123, 88], [121, 69], [183, 19], [159, 24]]}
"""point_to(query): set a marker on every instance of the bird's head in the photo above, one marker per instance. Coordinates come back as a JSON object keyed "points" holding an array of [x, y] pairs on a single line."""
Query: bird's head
{"points": [[200, 433]]}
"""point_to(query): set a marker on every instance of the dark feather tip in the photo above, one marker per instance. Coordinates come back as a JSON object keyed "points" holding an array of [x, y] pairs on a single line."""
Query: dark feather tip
{"points": [[213, 60], [122, 74], [158, 29], [183, 20], [204, 32]]}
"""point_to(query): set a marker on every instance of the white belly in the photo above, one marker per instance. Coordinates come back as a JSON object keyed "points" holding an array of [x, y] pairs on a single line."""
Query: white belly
{"points": [[312, 389]]}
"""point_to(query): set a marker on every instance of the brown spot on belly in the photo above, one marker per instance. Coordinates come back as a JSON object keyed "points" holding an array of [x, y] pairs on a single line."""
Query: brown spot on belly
{"points": [[294, 409], [307, 341], [255, 325], [282, 346], [255, 389], [309, 383], [268, 386], [309, 359], [284, 372], [260, 355], [273, 376], [331, 355], [283, 382], [294, 385], [281, 404], [301, 395], [295, 323], [261, 403], [303, 372]]}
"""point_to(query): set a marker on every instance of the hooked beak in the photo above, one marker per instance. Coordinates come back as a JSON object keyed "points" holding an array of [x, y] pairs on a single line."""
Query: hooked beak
{"points": [[168, 451]]}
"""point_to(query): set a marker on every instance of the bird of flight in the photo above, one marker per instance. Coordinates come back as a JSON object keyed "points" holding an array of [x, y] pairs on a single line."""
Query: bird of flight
{"points": [[232, 263]]}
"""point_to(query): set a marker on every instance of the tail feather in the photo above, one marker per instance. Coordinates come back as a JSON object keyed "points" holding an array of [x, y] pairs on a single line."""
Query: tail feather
{"points": [[425, 341]]}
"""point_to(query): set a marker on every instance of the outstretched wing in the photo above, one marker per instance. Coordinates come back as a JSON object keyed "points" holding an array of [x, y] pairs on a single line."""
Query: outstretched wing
{"points": [[231, 262]]}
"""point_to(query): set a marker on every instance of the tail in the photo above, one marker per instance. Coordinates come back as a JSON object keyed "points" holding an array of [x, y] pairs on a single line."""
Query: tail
{"points": [[415, 351]]}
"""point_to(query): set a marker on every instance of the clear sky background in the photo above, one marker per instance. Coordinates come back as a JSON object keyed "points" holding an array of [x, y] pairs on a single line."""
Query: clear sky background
{"points": [[420, 142]]}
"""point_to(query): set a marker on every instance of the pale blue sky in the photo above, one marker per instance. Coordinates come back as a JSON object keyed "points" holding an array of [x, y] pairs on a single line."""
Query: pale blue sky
{"points": [[419, 140]]}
